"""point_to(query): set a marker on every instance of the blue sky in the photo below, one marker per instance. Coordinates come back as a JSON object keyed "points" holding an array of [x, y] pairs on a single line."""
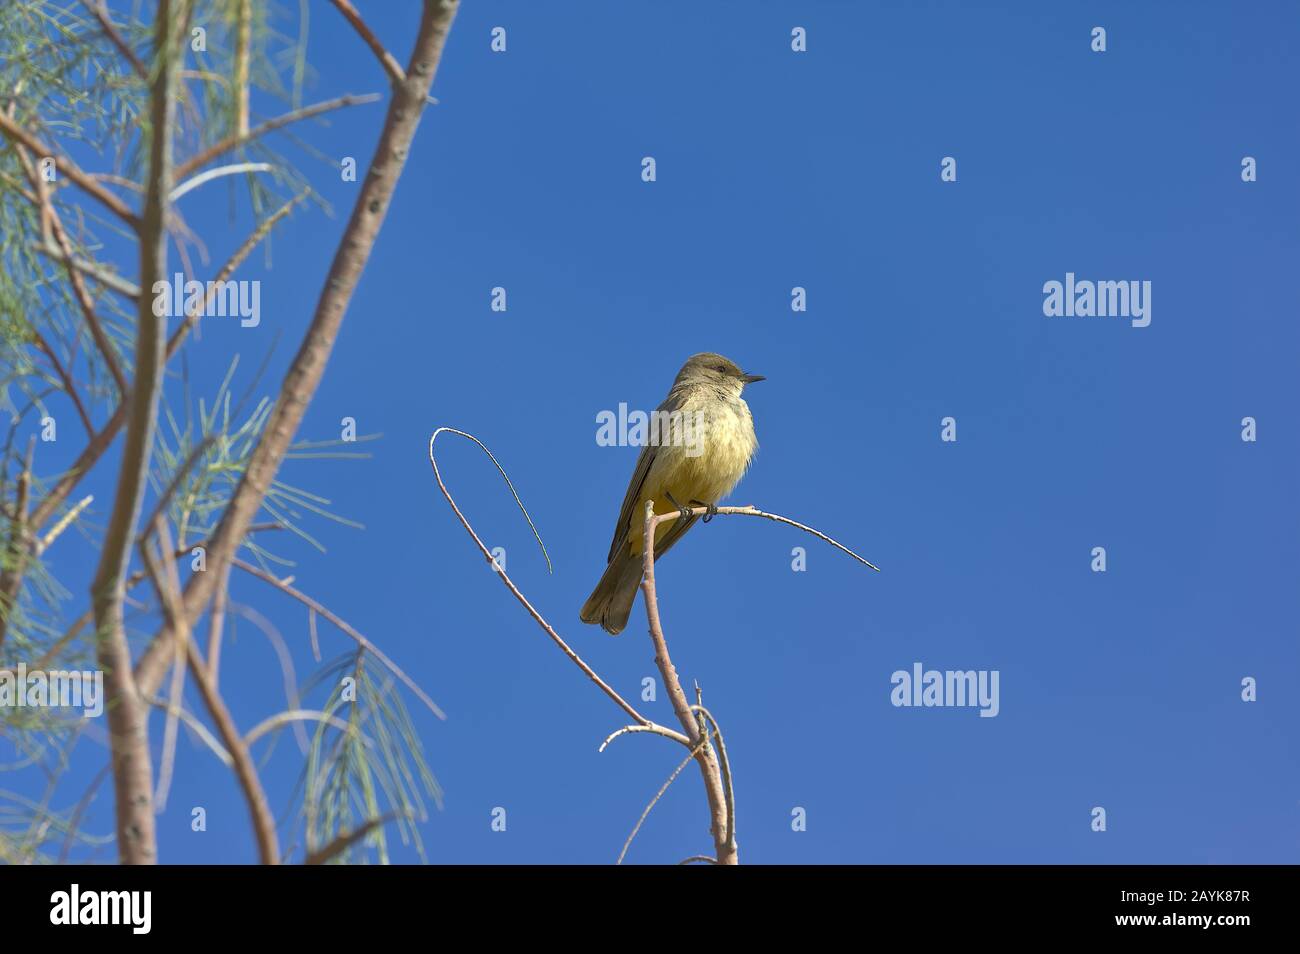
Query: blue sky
{"points": [[820, 169]]}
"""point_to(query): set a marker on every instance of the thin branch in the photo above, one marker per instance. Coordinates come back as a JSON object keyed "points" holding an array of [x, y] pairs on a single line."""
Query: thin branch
{"points": [[199, 728], [361, 641], [100, 12], [510, 584], [713, 789], [658, 795], [95, 449], [386, 59], [234, 169], [353, 252], [106, 278], [70, 388], [755, 512], [694, 858], [724, 766], [228, 269], [347, 840], [128, 719], [293, 715], [50, 216], [167, 583], [237, 140], [216, 625], [243, 40], [64, 522], [19, 546], [653, 728], [70, 169], [168, 761]]}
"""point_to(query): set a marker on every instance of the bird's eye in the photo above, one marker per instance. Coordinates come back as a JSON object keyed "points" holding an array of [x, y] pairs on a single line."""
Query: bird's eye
{"points": [[721, 367]]}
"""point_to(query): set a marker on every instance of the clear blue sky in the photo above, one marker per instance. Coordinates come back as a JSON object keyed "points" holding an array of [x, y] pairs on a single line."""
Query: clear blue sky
{"points": [[775, 169]]}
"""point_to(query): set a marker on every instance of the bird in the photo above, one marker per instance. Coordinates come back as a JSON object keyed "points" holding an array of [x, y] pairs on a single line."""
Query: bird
{"points": [[703, 448]]}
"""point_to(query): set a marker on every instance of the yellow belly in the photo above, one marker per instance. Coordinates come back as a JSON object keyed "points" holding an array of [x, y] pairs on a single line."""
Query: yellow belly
{"points": [[691, 480]]}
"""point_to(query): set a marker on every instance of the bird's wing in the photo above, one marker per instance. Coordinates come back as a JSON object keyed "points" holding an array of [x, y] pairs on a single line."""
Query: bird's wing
{"points": [[643, 464]]}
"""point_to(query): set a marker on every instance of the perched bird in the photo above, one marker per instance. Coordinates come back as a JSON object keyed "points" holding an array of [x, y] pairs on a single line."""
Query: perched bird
{"points": [[702, 448]]}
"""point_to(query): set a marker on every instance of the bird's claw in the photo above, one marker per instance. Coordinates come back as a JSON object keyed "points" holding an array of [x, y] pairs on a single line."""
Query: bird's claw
{"points": [[710, 511], [684, 513]]}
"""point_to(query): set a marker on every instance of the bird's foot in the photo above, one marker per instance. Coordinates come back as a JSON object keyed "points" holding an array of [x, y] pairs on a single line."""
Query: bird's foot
{"points": [[683, 512], [710, 510]]}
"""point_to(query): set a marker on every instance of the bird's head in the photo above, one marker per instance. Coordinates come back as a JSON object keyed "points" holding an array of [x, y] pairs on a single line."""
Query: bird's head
{"points": [[714, 370]]}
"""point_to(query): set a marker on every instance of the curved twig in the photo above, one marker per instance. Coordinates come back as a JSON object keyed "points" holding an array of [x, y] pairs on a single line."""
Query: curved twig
{"points": [[294, 715], [658, 795], [776, 517], [653, 727], [518, 594], [342, 624], [234, 169], [232, 142], [725, 768], [197, 725]]}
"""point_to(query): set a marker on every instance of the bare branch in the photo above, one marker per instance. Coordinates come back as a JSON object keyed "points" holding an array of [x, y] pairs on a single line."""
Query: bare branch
{"points": [[653, 728], [233, 169], [654, 801], [243, 40], [724, 766], [19, 546], [64, 522], [323, 611], [386, 59], [347, 840], [237, 140], [167, 583], [95, 449], [70, 169], [235, 260], [293, 715], [351, 256], [510, 584], [127, 717], [198, 727], [100, 13], [725, 852], [106, 278], [50, 216]]}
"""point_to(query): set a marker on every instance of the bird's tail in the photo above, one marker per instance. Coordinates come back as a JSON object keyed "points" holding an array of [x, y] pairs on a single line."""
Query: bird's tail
{"points": [[611, 601]]}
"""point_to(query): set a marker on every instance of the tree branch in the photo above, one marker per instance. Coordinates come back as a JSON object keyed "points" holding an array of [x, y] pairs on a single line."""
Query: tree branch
{"points": [[243, 40], [523, 600], [386, 59], [239, 139], [19, 546], [100, 13], [127, 715], [70, 169], [725, 853], [167, 583], [95, 449], [350, 259]]}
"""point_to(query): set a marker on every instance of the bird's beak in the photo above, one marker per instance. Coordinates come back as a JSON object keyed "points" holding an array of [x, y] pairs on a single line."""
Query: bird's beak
{"points": [[751, 378]]}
